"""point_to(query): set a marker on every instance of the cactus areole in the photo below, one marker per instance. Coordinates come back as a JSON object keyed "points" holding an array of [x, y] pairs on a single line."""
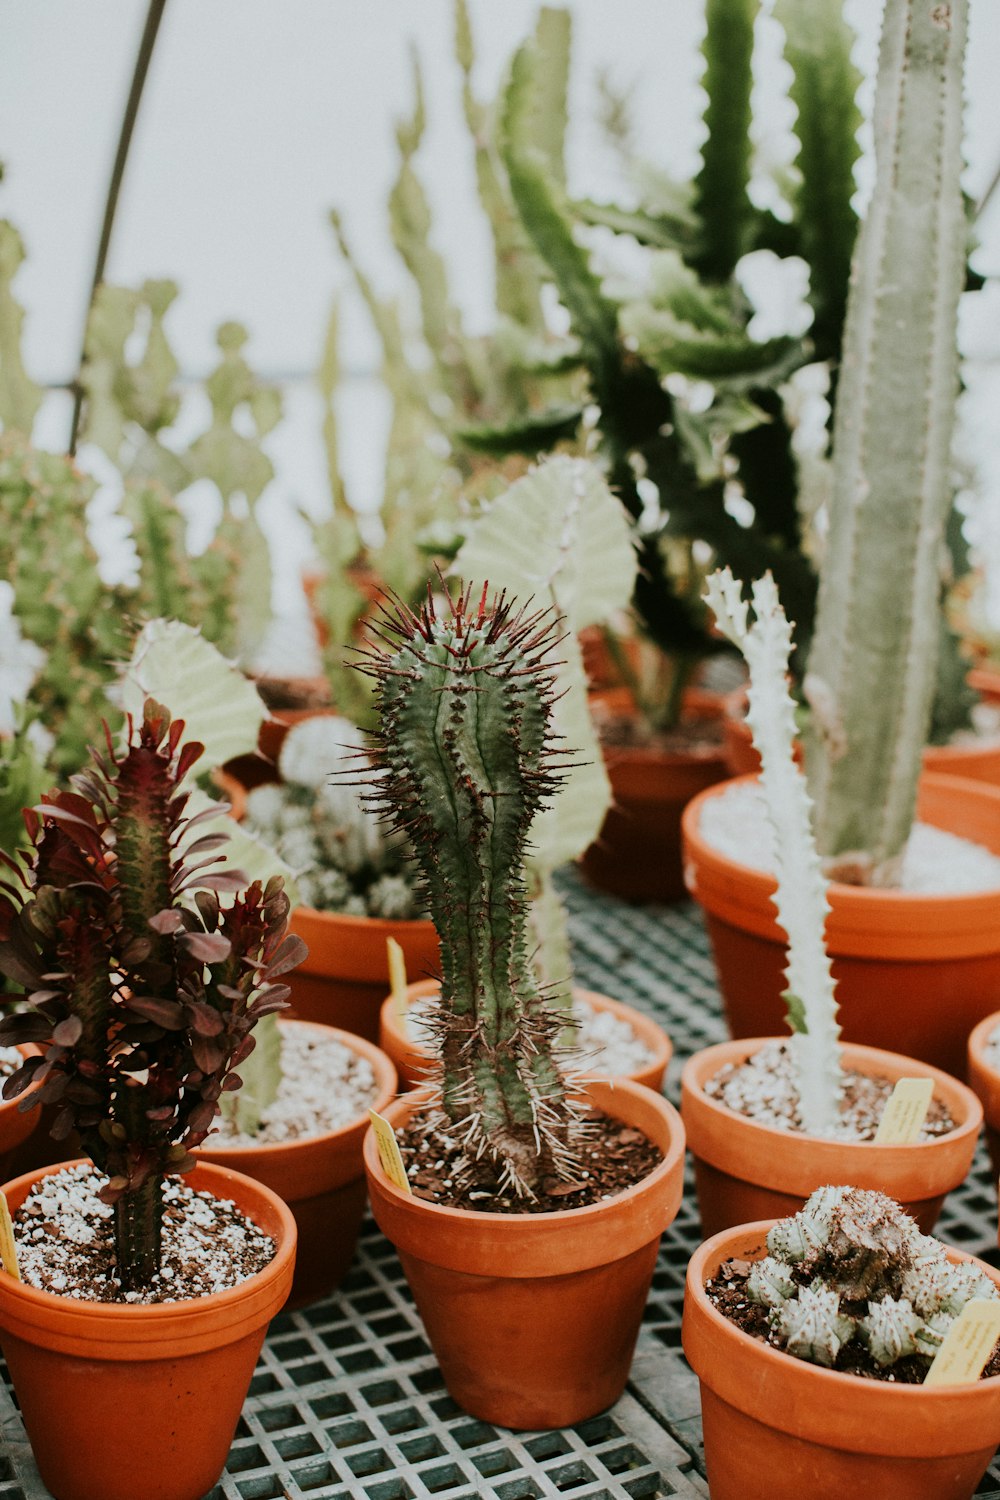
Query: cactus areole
{"points": [[464, 760], [143, 985]]}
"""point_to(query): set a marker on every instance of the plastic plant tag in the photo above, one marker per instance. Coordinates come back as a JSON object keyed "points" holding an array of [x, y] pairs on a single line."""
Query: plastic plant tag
{"points": [[967, 1345], [904, 1114], [397, 976], [8, 1248], [388, 1151]]}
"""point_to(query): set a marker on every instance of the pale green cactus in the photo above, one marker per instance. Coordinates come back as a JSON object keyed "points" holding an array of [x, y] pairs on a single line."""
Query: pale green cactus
{"points": [[871, 669], [770, 1282], [20, 397], [890, 1330], [812, 1325]]}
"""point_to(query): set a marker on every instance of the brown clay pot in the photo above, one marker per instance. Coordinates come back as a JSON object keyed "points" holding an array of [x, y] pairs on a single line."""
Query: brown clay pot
{"points": [[779, 1428], [343, 980], [17, 1126], [914, 973], [121, 1401], [533, 1318], [986, 681], [638, 853], [411, 1060], [259, 768], [984, 1081], [322, 1180], [746, 1171]]}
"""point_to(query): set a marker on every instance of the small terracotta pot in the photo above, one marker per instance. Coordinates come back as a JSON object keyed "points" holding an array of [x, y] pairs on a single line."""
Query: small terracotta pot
{"points": [[17, 1125], [343, 980], [121, 1401], [321, 1178], [533, 1318], [638, 853], [258, 768], [746, 1171], [779, 1428], [411, 1060], [914, 973], [986, 681], [984, 1081]]}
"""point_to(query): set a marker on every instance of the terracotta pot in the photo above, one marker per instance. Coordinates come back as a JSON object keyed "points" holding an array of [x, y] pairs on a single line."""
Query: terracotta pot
{"points": [[638, 853], [344, 979], [746, 1171], [321, 1178], [411, 1060], [533, 1318], [984, 1081], [121, 1401], [986, 681], [17, 1126], [914, 973], [259, 768], [778, 1428]]}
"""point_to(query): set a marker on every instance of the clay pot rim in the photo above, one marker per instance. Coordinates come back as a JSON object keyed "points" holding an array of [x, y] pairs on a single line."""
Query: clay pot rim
{"points": [[385, 1080], [388, 925], [714, 1251], [700, 705], [408, 1104], [977, 1042], [160, 1314], [696, 1069], [651, 1032], [851, 898]]}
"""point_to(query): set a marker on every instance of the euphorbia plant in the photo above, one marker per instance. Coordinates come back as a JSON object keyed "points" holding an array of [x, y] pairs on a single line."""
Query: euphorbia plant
{"points": [[465, 758], [142, 983]]}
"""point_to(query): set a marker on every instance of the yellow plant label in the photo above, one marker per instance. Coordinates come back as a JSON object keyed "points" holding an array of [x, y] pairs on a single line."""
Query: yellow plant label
{"points": [[967, 1345], [904, 1114], [388, 1152], [397, 976], [8, 1249]]}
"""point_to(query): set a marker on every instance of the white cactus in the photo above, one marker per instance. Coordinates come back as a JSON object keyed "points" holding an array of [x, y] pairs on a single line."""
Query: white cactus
{"points": [[813, 1326]]}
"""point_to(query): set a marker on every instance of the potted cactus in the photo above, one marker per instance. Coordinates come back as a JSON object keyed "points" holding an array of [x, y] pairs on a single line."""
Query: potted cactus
{"points": [[915, 971], [812, 1338], [144, 988], [771, 1119], [505, 1274]]}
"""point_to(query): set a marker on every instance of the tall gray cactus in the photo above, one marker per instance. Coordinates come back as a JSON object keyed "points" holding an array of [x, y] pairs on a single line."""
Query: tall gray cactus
{"points": [[871, 668]]}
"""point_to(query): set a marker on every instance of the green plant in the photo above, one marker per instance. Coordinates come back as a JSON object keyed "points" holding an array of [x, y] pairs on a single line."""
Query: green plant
{"points": [[464, 761], [143, 984], [852, 1267], [871, 669]]}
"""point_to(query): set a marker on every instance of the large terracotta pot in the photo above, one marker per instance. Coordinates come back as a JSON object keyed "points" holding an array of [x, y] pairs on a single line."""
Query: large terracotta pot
{"points": [[343, 979], [533, 1318], [746, 1171], [914, 973], [638, 853], [125, 1401], [778, 1428], [984, 1080], [320, 1177], [411, 1060]]}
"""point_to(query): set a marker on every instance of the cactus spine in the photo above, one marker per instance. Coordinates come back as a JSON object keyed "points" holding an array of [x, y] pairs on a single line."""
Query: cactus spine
{"points": [[465, 761], [871, 669]]}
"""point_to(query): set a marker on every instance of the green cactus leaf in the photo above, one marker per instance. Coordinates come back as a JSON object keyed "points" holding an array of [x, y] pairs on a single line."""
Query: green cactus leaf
{"points": [[721, 200], [261, 1075], [20, 397], [661, 231], [531, 434]]}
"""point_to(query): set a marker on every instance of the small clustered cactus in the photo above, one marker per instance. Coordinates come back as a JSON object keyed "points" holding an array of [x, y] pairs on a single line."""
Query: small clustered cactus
{"points": [[346, 861], [464, 760], [852, 1266], [144, 987]]}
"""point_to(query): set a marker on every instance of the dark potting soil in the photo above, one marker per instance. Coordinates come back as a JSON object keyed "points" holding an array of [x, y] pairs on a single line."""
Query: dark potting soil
{"points": [[610, 1157], [727, 1292], [65, 1242], [690, 737]]}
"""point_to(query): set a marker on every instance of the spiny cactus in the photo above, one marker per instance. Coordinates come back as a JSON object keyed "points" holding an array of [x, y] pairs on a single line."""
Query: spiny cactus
{"points": [[144, 986], [464, 761], [851, 1265], [871, 669]]}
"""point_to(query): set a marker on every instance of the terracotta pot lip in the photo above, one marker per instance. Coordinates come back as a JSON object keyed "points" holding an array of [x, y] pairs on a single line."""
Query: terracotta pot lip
{"points": [[694, 1285], [385, 1079], [161, 1314], [977, 1041], [26, 1049], [762, 884], [388, 925], [411, 1102], [854, 1053]]}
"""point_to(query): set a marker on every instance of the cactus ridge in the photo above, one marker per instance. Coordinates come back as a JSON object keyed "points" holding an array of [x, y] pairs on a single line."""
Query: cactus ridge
{"points": [[464, 759]]}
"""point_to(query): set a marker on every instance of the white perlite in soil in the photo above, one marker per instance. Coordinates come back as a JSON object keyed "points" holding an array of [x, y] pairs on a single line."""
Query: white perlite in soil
{"points": [[65, 1242], [763, 1089], [935, 863], [324, 1085], [605, 1043]]}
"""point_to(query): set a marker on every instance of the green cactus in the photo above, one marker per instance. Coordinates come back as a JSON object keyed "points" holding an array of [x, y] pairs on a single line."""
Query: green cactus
{"points": [[871, 669], [464, 762], [20, 397]]}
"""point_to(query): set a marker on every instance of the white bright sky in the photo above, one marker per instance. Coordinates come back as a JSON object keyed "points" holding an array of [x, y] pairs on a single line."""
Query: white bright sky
{"points": [[259, 115]]}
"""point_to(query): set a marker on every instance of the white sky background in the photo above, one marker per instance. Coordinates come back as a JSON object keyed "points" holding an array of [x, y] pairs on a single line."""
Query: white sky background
{"points": [[259, 115]]}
